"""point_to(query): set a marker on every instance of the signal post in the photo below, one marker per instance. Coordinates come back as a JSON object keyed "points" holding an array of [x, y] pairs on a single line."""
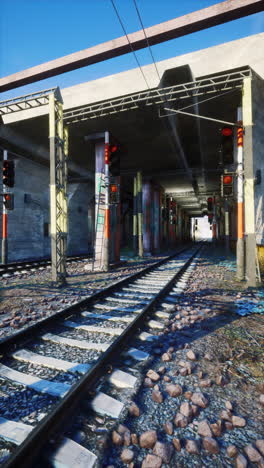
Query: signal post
{"points": [[8, 202]]}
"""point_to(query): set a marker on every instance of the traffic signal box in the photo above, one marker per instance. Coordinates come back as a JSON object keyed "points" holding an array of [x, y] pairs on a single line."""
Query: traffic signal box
{"points": [[8, 199], [114, 160], [227, 145], [8, 173], [227, 185]]}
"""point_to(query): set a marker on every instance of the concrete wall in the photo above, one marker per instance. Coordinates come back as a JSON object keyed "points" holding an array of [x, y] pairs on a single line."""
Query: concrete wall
{"points": [[30, 217]]}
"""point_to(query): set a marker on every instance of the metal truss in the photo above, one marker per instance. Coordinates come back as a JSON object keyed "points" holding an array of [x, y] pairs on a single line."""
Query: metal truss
{"points": [[58, 136], [28, 101], [157, 96]]}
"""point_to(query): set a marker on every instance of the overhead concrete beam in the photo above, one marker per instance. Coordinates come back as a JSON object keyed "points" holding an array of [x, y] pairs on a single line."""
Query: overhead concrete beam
{"points": [[177, 27]]}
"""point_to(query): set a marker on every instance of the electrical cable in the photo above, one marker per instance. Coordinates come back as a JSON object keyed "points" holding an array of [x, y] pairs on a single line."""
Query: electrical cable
{"points": [[132, 50], [146, 37]]}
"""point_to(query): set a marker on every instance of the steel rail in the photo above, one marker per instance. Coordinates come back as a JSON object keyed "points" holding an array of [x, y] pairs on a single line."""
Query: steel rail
{"points": [[47, 430], [27, 265], [7, 343]]}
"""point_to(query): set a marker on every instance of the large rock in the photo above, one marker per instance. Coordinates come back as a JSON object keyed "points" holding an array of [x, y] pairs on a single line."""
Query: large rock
{"points": [[238, 422], [180, 420], [127, 456], [151, 461], [226, 415], [177, 444], [134, 439], [199, 400], [241, 461], [173, 390], [166, 357], [134, 410], [204, 429], [210, 445], [205, 383], [190, 355], [117, 438], [152, 375], [168, 428], [148, 383], [192, 447], [164, 451], [217, 428], [157, 396], [252, 454], [148, 439], [186, 409], [260, 445], [231, 451]]}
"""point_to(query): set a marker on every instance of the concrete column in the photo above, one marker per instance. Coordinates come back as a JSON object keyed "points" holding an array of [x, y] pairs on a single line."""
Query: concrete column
{"points": [[146, 194], [249, 184], [156, 223]]}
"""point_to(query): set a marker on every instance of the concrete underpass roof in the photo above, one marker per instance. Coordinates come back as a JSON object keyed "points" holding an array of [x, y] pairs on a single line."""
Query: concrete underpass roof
{"points": [[154, 145]]}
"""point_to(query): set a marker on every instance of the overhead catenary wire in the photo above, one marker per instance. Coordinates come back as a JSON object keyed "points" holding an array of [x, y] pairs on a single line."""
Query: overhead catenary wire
{"points": [[132, 50], [146, 37]]}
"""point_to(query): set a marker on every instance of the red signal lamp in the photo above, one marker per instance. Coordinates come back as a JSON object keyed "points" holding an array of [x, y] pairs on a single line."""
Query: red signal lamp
{"points": [[227, 179], [113, 188], [113, 148], [227, 131]]}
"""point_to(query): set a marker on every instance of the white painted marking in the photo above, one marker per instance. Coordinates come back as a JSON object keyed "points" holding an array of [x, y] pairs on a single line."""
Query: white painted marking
{"points": [[39, 385], [122, 379], [93, 328], [76, 343], [15, 432], [53, 363], [106, 405], [137, 354], [111, 318], [70, 455], [156, 324]]}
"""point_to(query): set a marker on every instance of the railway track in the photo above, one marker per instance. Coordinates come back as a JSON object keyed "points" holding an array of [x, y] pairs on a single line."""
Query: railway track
{"points": [[33, 265], [58, 363]]}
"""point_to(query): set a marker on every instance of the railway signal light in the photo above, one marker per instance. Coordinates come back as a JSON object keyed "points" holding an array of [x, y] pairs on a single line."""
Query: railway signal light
{"points": [[8, 173], [114, 160], [227, 185], [227, 145], [114, 194], [209, 204], [8, 201]]}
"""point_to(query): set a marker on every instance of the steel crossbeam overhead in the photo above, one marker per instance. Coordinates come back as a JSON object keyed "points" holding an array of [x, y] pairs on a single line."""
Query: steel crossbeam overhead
{"points": [[28, 101], [157, 96], [196, 21]]}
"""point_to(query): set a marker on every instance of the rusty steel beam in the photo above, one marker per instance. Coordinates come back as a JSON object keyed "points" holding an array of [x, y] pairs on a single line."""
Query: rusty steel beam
{"points": [[187, 24]]}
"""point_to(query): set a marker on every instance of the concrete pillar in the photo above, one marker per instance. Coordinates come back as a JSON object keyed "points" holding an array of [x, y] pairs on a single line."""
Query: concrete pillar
{"points": [[146, 195], [156, 219], [249, 184]]}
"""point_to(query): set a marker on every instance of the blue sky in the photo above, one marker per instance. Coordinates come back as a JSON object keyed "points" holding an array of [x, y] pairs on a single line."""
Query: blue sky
{"points": [[36, 31]]}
